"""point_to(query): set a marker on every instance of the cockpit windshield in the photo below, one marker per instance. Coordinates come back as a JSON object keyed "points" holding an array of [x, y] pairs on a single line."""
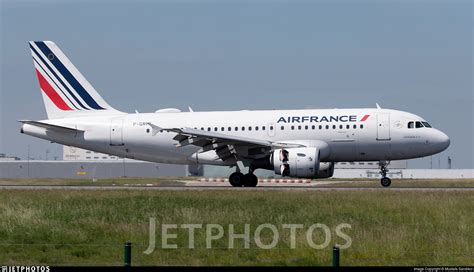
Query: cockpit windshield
{"points": [[418, 124]]}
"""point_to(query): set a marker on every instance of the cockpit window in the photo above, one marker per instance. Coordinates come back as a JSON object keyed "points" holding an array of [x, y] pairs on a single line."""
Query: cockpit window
{"points": [[410, 124], [419, 124], [426, 124]]}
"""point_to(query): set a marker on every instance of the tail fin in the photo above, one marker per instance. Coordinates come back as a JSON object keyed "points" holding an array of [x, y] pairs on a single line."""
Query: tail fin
{"points": [[66, 92]]}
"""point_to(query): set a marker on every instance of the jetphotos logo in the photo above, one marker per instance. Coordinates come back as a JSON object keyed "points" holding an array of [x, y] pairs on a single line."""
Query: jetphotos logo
{"points": [[246, 236], [324, 118]]}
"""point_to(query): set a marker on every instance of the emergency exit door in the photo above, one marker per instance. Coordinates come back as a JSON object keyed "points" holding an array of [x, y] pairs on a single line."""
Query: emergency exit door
{"points": [[116, 132], [383, 126]]}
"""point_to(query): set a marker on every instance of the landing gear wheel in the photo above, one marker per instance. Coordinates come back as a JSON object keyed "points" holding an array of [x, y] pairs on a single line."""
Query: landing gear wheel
{"points": [[236, 179], [383, 171], [250, 180], [385, 181]]}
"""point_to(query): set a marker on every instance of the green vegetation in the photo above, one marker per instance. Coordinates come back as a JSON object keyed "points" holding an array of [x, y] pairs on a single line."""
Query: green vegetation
{"points": [[78, 227]]}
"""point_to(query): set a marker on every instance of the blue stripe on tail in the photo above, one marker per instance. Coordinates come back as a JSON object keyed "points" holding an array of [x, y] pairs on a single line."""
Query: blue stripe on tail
{"points": [[68, 76], [57, 77]]}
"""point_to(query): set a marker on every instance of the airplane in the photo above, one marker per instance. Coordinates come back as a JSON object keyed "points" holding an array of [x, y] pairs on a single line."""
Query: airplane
{"points": [[302, 143]]}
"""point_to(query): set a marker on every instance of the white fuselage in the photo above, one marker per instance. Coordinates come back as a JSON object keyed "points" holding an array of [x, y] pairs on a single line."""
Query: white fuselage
{"points": [[383, 135]]}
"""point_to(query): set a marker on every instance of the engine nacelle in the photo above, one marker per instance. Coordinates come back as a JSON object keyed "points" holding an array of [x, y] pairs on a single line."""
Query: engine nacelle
{"points": [[302, 162], [326, 170]]}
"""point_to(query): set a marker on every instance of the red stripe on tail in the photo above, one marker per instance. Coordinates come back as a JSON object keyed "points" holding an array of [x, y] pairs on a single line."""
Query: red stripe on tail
{"points": [[51, 93], [364, 118]]}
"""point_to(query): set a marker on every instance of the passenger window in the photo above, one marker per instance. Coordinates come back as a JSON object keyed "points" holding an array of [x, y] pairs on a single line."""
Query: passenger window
{"points": [[299, 127], [236, 128], [243, 128], [263, 128], [333, 126], [340, 126], [313, 127], [410, 124], [419, 125], [354, 126], [271, 127], [320, 127], [250, 128], [327, 126], [208, 129], [348, 126], [292, 127], [256, 128], [361, 126], [202, 128], [306, 127], [222, 128], [229, 128], [282, 128], [215, 128]]}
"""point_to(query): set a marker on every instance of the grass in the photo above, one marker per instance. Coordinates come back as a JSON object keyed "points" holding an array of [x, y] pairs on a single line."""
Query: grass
{"points": [[60, 227]]}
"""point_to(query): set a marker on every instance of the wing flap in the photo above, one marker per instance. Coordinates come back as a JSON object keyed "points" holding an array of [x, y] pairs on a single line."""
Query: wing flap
{"points": [[223, 144], [213, 137]]}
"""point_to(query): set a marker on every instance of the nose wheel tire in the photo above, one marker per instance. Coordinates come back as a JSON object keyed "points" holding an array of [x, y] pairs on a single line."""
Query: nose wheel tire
{"points": [[250, 180], [385, 181], [236, 179]]}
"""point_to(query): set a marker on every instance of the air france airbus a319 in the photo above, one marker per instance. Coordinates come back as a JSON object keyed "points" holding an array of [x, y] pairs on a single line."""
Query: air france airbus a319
{"points": [[295, 143]]}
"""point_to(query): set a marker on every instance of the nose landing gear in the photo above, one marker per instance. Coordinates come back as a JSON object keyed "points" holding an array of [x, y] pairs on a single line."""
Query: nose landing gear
{"points": [[385, 181]]}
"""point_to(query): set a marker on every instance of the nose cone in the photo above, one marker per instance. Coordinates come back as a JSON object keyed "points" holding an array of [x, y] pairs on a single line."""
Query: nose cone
{"points": [[441, 141]]}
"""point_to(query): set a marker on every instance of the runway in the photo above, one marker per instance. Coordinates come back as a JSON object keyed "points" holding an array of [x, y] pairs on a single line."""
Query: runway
{"points": [[219, 187]]}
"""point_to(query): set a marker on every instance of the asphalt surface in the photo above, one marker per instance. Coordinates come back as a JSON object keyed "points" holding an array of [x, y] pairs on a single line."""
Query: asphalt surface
{"points": [[222, 187]]}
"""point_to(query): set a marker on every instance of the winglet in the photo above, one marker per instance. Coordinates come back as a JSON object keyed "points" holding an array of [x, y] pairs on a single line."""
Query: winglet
{"points": [[378, 107], [190, 109]]}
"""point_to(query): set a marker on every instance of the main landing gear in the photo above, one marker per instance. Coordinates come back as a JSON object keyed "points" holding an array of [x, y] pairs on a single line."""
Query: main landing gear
{"points": [[385, 181], [237, 179]]}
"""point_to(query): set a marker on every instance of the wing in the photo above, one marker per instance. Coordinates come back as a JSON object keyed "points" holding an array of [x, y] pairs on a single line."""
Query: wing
{"points": [[226, 146]]}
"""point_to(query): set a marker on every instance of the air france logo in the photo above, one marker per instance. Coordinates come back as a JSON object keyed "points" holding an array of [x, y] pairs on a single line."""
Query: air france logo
{"points": [[319, 119]]}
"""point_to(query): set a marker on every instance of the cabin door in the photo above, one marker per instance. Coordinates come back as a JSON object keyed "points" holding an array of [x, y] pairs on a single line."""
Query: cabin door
{"points": [[383, 126], [116, 132]]}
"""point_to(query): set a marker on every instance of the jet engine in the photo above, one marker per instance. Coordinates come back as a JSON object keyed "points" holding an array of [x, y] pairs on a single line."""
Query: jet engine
{"points": [[301, 162], [326, 170], [296, 162]]}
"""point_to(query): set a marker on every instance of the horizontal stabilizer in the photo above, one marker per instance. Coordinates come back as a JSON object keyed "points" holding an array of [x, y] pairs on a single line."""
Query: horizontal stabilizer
{"points": [[51, 126]]}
